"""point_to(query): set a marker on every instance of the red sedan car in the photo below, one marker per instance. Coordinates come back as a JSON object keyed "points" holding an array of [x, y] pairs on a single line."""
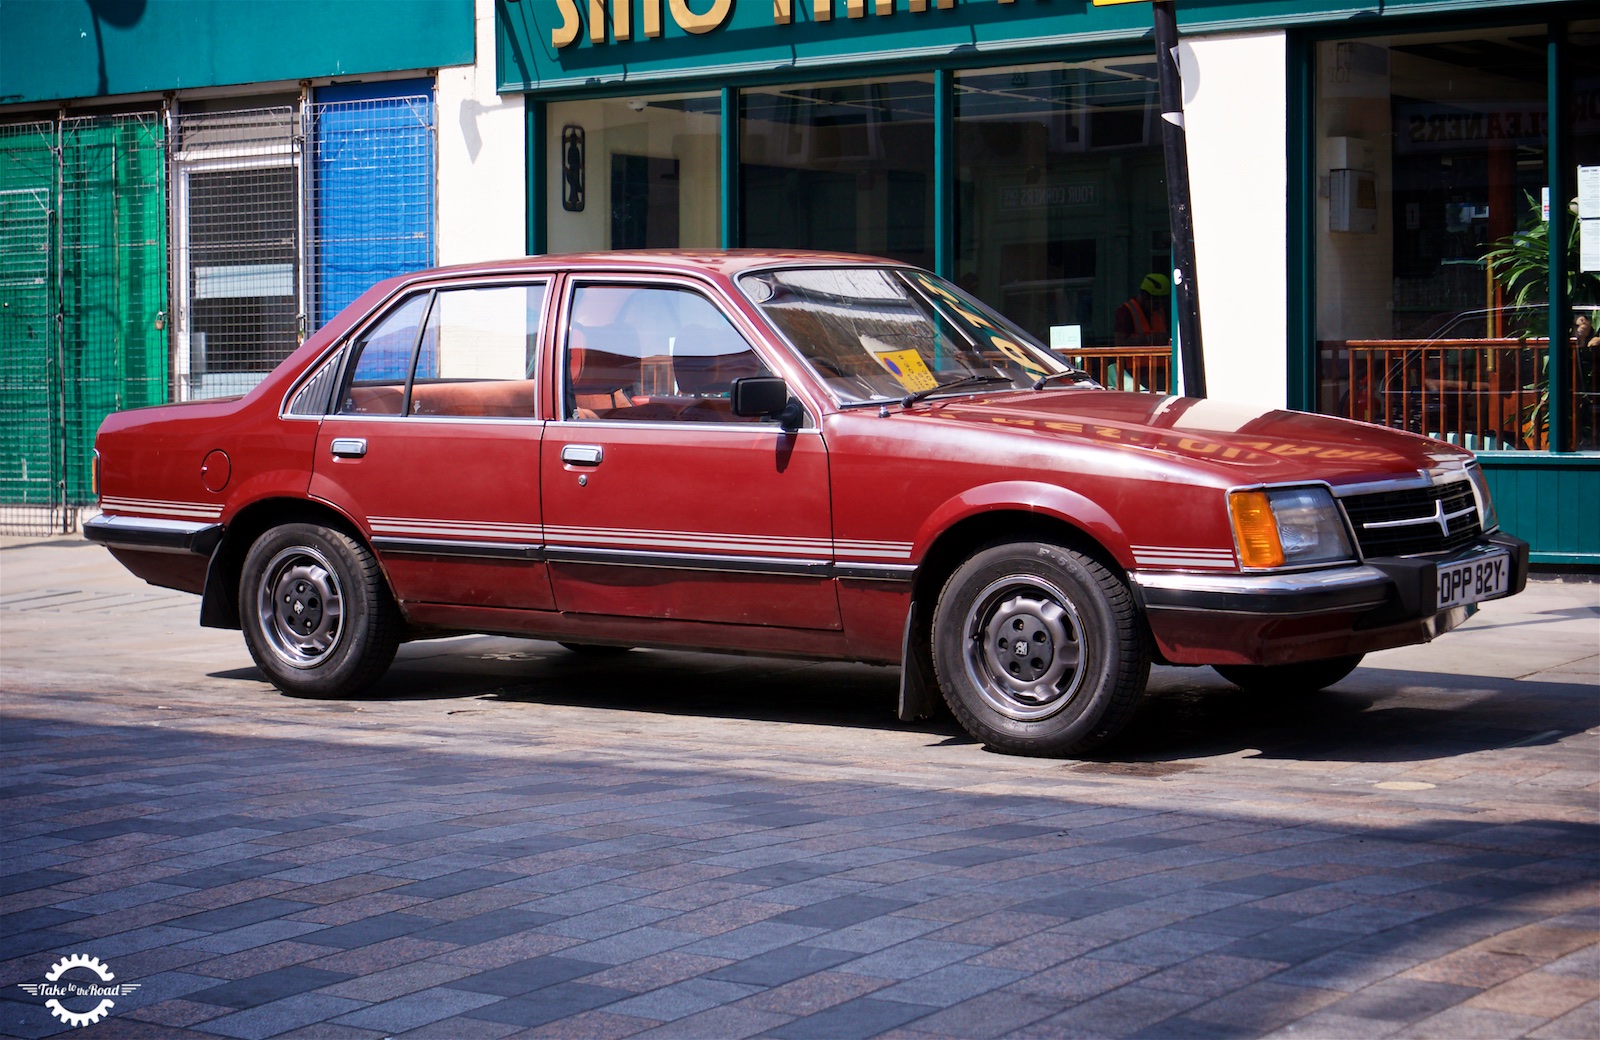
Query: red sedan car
{"points": [[785, 453]]}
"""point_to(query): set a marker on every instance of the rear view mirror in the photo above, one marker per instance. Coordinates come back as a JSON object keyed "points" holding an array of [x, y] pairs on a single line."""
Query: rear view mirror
{"points": [[765, 397]]}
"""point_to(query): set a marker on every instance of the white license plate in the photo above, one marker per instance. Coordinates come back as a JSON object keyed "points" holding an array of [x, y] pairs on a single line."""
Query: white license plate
{"points": [[1475, 580]]}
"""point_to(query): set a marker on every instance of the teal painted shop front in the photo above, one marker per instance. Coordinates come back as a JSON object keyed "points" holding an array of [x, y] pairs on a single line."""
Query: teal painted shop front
{"points": [[1015, 147]]}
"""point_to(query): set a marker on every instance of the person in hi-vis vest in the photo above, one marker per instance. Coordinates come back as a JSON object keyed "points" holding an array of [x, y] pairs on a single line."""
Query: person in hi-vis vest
{"points": [[1142, 320]]}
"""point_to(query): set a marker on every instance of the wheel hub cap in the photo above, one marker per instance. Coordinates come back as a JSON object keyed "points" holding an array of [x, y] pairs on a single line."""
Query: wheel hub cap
{"points": [[301, 607], [1025, 649]]}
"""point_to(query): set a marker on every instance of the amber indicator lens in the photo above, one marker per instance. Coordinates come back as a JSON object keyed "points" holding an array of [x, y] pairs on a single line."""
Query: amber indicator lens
{"points": [[1255, 530]]}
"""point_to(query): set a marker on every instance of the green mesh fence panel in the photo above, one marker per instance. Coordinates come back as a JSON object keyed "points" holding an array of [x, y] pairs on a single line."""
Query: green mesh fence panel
{"points": [[27, 329], [113, 219], [83, 243]]}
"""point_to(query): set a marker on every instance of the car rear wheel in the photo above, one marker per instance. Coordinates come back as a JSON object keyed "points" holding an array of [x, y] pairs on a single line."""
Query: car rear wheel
{"points": [[1302, 677], [1039, 650], [317, 614]]}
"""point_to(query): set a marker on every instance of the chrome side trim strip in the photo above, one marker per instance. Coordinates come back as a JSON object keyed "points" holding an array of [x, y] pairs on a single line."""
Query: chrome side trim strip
{"points": [[901, 572], [690, 562], [470, 550]]}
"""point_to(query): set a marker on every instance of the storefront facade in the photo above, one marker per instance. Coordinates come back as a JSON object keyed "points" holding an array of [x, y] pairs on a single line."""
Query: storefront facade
{"points": [[188, 189], [1351, 169]]}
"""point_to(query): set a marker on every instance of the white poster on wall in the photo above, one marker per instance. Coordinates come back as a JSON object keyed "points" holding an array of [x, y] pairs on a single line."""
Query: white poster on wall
{"points": [[1589, 245], [1589, 192]]}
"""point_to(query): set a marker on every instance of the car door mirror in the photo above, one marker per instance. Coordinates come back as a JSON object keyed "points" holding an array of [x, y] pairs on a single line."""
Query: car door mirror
{"points": [[765, 397]]}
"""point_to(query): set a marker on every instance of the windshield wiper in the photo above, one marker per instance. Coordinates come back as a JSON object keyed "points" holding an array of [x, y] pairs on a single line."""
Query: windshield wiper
{"points": [[1071, 373], [912, 398]]}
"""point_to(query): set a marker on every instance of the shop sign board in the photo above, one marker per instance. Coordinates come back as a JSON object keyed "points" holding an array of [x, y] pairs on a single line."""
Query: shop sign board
{"points": [[574, 45]]}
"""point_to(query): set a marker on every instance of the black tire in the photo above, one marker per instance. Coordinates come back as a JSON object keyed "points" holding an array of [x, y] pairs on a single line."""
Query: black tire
{"points": [[317, 613], [1088, 649], [1303, 677], [596, 649]]}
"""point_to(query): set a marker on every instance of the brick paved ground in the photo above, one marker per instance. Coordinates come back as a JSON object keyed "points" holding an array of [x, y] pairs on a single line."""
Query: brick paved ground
{"points": [[508, 840]]}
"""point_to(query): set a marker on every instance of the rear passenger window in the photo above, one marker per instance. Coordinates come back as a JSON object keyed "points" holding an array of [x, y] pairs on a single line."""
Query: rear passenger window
{"points": [[469, 352], [383, 361]]}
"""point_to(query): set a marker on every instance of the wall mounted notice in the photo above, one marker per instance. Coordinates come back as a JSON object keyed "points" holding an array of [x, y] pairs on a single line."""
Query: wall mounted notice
{"points": [[1589, 218]]}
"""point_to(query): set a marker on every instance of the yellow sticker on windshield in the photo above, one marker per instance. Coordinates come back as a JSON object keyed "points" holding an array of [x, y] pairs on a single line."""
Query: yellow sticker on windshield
{"points": [[908, 369]]}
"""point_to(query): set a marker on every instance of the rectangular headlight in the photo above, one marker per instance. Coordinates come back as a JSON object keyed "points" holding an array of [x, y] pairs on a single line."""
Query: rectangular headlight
{"points": [[1487, 520], [1288, 527]]}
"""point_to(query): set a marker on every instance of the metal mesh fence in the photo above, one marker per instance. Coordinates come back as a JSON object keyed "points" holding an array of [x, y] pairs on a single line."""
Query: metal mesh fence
{"points": [[280, 216], [82, 302], [236, 176], [371, 194]]}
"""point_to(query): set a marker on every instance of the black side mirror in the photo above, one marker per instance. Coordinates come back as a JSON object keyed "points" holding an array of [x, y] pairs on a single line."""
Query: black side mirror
{"points": [[766, 397]]}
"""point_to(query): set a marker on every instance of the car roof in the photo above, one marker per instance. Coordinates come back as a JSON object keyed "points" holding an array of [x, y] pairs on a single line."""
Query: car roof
{"points": [[723, 262]]}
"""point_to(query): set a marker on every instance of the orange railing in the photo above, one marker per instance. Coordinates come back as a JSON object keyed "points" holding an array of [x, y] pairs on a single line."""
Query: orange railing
{"points": [[1145, 369], [1484, 394]]}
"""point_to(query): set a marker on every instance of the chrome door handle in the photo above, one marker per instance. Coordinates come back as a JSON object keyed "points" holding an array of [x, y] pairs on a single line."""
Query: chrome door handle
{"points": [[349, 447], [582, 454]]}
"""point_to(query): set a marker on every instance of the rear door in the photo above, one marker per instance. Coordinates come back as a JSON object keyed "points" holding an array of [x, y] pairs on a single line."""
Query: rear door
{"points": [[433, 445]]}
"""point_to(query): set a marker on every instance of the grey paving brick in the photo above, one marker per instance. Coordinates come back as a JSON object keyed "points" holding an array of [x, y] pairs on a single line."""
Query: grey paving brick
{"points": [[950, 985], [1402, 1000], [239, 915], [751, 940], [784, 964], [681, 999], [841, 911], [454, 883], [376, 929], [911, 958], [632, 945], [280, 1016], [548, 1004], [483, 927], [864, 1016], [268, 986], [513, 980], [415, 1009]]}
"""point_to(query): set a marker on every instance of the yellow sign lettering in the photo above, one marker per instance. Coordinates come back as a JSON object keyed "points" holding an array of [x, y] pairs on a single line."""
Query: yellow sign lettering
{"points": [[690, 22], [566, 33]]}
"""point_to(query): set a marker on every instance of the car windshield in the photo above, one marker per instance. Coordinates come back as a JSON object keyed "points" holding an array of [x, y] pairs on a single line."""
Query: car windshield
{"points": [[877, 334]]}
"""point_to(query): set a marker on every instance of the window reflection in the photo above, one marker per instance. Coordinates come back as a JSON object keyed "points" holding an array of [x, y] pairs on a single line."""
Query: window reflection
{"points": [[1062, 205], [840, 166]]}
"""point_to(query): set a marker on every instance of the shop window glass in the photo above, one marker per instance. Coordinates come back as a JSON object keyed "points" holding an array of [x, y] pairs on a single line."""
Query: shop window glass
{"points": [[1062, 207], [1583, 374], [840, 166], [1431, 243], [635, 173]]}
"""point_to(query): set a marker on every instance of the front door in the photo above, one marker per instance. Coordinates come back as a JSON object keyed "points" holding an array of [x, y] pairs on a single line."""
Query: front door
{"points": [[433, 446], [659, 502]]}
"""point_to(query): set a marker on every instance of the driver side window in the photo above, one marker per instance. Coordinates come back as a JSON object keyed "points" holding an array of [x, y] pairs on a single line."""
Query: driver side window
{"points": [[652, 353]]}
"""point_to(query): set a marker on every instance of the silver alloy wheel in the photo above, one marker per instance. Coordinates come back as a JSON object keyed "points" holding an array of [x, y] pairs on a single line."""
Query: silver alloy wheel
{"points": [[1024, 647], [301, 606]]}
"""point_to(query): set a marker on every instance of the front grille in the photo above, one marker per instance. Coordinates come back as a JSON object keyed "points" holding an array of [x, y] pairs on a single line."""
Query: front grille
{"points": [[1416, 513]]}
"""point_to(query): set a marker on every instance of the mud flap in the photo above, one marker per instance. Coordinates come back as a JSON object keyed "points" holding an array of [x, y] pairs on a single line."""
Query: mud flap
{"points": [[919, 694]]}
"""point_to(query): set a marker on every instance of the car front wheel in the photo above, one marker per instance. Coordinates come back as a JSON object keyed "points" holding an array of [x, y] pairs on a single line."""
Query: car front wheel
{"points": [[317, 614], [1303, 677], [1039, 649]]}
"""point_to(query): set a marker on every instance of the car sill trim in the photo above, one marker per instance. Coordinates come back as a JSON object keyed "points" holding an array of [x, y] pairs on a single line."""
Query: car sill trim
{"points": [[692, 562], [443, 547]]}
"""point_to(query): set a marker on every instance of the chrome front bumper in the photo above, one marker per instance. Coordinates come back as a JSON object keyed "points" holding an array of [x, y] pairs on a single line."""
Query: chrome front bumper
{"points": [[1277, 618]]}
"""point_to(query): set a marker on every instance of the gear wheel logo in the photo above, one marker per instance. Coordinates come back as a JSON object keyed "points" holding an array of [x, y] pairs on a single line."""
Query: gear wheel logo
{"points": [[56, 987]]}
